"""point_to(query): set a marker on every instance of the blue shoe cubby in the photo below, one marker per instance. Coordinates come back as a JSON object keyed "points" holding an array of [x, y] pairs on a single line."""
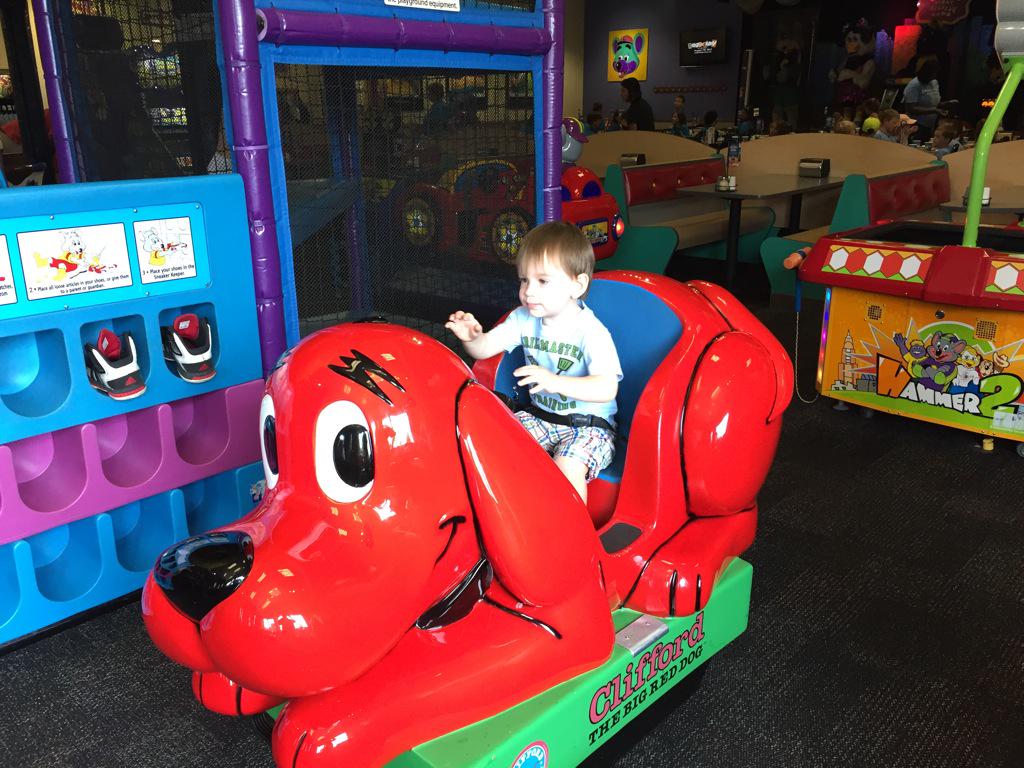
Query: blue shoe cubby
{"points": [[56, 574], [44, 386]]}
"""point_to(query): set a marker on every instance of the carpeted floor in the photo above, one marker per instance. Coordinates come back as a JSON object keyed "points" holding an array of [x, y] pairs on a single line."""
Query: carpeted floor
{"points": [[885, 628]]}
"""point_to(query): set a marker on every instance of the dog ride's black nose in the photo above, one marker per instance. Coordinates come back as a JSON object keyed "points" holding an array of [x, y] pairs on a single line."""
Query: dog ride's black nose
{"points": [[201, 571]]}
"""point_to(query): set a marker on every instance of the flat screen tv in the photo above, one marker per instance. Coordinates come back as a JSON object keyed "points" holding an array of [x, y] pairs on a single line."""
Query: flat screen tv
{"points": [[701, 46]]}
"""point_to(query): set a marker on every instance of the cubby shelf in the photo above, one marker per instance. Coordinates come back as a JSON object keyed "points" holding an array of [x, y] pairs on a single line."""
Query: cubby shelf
{"points": [[44, 384], [58, 573], [49, 480]]}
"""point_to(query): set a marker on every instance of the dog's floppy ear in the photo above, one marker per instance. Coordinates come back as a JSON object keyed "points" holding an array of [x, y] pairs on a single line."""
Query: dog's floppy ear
{"points": [[535, 528]]}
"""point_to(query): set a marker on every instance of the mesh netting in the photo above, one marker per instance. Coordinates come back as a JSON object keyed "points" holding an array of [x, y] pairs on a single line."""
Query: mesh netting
{"points": [[408, 190], [144, 89]]}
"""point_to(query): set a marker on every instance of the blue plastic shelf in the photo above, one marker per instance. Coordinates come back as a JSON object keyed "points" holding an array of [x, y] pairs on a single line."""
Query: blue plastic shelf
{"points": [[56, 574], [43, 381]]}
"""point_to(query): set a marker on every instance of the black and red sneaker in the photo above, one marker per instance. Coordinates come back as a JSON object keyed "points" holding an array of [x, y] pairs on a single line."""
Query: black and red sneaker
{"points": [[188, 346], [112, 365]]}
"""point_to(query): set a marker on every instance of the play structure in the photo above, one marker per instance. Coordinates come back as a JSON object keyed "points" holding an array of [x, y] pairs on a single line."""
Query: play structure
{"points": [[400, 487], [923, 319], [132, 381]]}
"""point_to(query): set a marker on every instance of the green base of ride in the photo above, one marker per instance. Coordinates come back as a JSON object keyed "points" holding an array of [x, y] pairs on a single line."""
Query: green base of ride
{"points": [[561, 718]]}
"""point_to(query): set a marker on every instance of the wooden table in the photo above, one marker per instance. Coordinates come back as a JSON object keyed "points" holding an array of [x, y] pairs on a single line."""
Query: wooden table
{"points": [[758, 187], [1004, 200]]}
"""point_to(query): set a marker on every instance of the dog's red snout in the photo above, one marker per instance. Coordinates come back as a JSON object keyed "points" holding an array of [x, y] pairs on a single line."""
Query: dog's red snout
{"points": [[198, 573]]}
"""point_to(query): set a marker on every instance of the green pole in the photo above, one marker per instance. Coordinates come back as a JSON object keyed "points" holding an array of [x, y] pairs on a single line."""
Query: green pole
{"points": [[981, 150]]}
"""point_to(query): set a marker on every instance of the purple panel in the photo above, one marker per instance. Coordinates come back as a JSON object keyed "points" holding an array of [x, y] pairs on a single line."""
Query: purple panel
{"points": [[54, 92], [552, 73], [245, 97], [58, 477], [287, 27]]}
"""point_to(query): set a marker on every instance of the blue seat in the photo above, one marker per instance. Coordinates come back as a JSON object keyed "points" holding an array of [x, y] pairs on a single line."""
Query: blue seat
{"points": [[643, 328]]}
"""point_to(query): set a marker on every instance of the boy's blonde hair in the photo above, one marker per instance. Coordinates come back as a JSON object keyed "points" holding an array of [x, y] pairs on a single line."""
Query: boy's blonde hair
{"points": [[888, 115], [564, 244]]}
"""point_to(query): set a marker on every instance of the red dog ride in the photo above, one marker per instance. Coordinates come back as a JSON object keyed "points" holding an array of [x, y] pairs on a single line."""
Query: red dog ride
{"points": [[419, 563]]}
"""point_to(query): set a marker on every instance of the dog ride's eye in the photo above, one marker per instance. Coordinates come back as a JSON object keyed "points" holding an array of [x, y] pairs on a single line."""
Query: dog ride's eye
{"points": [[343, 452], [353, 455], [268, 440]]}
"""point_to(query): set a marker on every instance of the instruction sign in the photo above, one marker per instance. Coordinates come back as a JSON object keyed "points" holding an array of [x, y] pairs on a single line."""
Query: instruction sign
{"points": [[62, 262], [428, 5], [7, 292], [165, 249]]}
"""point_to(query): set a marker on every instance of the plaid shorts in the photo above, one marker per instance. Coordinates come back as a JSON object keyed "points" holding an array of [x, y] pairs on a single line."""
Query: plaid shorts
{"points": [[592, 446]]}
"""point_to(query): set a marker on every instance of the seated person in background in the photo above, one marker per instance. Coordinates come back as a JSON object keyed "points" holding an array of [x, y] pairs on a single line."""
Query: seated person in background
{"points": [[779, 128], [679, 126], [744, 123], [895, 127], [870, 125], [846, 127], [594, 124], [868, 108], [945, 140], [707, 131], [571, 415], [638, 116]]}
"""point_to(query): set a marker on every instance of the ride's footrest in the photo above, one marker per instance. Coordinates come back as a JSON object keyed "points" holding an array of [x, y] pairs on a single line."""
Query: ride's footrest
{"points": [[641, 633]]}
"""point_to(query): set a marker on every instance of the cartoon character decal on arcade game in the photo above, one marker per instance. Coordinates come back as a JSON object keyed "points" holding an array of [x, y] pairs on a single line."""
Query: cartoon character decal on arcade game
{"points": [[945, 371]]}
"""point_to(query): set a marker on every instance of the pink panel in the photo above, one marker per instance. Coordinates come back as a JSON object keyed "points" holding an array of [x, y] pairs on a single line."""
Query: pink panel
{"points": [[57, 478]]}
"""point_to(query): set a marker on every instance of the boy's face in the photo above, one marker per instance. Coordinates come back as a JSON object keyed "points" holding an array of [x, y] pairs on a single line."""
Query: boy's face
{"points": [[939, 141], [547, 290], [891, 125]]}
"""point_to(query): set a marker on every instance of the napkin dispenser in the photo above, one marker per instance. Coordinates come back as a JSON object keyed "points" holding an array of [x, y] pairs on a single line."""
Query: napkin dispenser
{"points": [[813, 167]]}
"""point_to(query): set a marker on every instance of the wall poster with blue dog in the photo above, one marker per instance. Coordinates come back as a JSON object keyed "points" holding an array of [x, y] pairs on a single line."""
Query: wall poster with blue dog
{"points": [[627, 54]]}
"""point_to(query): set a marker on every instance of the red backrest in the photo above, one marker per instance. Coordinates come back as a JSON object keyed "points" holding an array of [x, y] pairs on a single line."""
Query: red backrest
{"points": [[652, 183], [890, 197]]}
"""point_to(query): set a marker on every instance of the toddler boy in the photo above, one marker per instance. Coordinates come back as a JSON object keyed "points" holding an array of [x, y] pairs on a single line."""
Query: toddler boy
{"points": [[573, 369]]}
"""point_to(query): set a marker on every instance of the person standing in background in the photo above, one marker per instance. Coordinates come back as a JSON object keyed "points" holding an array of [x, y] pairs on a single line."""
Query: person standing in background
{"points": [[638, 116], [922, 99]]}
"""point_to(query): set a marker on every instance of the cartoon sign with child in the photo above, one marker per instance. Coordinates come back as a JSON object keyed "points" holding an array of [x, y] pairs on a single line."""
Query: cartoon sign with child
{"points": [[165, 249], [62, 262]]}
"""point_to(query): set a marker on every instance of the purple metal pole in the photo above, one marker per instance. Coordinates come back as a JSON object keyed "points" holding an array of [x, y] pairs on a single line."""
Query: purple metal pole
{"points": [[245, 97], [287, 27], [62, 140], [552, 73]]}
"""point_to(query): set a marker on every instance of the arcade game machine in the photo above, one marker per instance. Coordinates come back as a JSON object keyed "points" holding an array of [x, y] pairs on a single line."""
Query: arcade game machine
{"points": [[924, 319]]}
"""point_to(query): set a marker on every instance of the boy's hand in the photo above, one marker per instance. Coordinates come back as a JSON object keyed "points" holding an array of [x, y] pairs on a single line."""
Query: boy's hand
{"points": [[538, 378], [464, 326]]}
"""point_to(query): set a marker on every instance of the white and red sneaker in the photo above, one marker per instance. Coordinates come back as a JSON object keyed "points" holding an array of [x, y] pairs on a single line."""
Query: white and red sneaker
{"points": [[188, 345], [112, 365]]}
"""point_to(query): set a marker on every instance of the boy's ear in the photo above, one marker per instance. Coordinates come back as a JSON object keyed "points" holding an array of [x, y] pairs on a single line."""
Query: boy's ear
{"points": [[580, 285]]}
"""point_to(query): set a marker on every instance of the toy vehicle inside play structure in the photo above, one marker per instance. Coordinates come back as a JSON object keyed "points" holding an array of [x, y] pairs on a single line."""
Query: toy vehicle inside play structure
{"points": [[419, 564], [486, 207]]}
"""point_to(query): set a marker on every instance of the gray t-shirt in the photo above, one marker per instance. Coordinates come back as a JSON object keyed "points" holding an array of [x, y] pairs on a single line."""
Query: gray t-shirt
{"points": [[923, 95], [583, 348]]}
